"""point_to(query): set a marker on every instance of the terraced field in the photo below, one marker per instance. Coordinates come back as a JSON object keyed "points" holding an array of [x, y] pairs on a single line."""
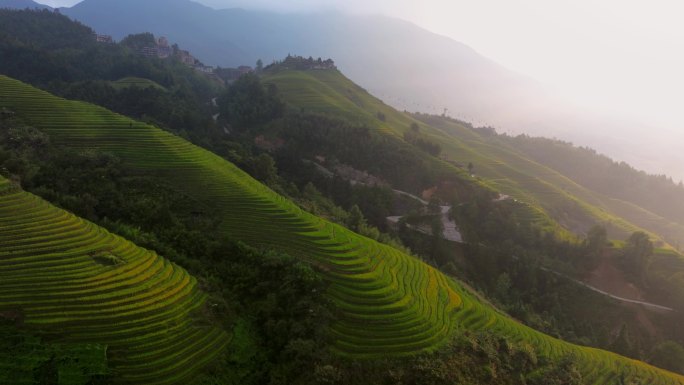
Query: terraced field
{"points": [[388, 303], [79, 284], [551, 196], [137, 82]]}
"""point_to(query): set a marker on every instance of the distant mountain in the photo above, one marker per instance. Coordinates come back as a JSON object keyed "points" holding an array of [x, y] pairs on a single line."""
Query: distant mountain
{"points": [[406, 65], [22, 4], [403, 64]]}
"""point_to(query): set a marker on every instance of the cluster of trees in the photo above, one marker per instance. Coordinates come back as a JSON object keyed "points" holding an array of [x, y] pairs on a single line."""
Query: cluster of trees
{"points": [[470, 358], [253, 108], [414, 137], [300, 63], [636, 255], [284, 326], [657, 193], [505, 258], [356, 145], [248, 103], [31, 359], [139, 41], [51, 52]]}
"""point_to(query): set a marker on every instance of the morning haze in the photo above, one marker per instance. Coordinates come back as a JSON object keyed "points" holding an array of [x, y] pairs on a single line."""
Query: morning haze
{"points": [[602, 74]]}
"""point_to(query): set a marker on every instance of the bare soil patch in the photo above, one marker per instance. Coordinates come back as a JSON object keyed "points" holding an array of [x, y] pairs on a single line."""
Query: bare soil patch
{"points": [[609, 278]]}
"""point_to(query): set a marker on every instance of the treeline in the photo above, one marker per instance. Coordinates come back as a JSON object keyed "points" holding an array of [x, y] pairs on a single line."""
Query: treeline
{"points": [[414, 137], [509, 270], [657, 193], [253, 109], [51, 52], [300, 63]]}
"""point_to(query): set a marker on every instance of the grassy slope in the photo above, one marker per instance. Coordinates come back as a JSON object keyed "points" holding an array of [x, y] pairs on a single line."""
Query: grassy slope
{"points": [[136, 82], [330, 92], [621, 217], [80, 284], [548, 193], [388, 303]]}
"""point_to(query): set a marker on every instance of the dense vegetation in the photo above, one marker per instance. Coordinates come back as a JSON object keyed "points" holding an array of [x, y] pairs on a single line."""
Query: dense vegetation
{"points": [[283, 321], [345, 261], [144, 185], [517, 243], [657, 193], [27, 358], [270, 319], [72, 64]]}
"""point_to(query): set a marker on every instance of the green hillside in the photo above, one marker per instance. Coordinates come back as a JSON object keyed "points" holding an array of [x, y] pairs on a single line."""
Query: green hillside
{"points": [[328, 91], [387, 303], [551, 197], [132, 81], [76, 283]]}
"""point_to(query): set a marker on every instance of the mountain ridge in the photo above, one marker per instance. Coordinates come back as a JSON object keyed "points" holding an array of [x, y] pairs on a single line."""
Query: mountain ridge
{"points": [[436, 72], [504, 168], [23, 4], [391, 49]]}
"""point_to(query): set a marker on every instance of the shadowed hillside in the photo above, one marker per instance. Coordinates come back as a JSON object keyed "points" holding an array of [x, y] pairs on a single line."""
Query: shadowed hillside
{"points": [[388, 303]]}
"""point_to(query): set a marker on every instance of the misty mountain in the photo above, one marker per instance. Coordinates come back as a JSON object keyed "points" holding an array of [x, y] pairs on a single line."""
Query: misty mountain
{"points": [[405, 65], [22, 4], [408, 66]]}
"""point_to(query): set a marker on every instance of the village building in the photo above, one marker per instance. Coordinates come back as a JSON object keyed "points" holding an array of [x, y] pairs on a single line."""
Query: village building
{"points": [[186, 58], [103, 38], [203, 68], [149, 51], [163, 50], [243, 70]]}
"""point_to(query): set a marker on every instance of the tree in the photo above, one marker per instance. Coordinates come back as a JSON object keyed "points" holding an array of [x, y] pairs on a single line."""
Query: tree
{"points": [[415, 127], [139, 41], [623, 343], [264, 168], [259, 66], [503, 287], [437, 227], [356, 219], [594, 247], [669, 355], [597, 238], [433, 206], [639, 244], [247, 103], [637, 254]]}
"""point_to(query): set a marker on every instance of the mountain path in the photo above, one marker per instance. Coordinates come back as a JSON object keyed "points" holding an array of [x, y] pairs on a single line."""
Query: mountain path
{"points": [[613, 296]]}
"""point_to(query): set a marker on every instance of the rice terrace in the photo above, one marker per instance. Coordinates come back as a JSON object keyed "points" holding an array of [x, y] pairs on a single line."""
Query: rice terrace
{"points": [[171, 215]]}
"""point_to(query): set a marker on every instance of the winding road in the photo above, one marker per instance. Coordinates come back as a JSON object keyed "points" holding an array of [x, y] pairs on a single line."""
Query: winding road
{"points": [[615, 297]]}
